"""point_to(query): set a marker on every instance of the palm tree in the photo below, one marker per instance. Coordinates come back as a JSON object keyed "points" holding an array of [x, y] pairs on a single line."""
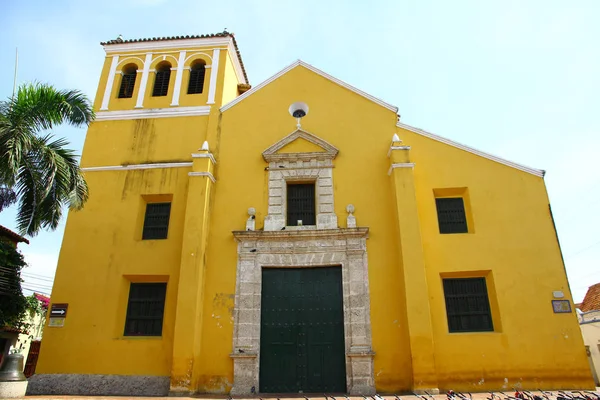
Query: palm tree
{"points": [[36, 170]]}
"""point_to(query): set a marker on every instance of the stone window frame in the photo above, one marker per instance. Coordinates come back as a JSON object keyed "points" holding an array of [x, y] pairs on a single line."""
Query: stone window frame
{"points": [[300, 167], [311, 249]]}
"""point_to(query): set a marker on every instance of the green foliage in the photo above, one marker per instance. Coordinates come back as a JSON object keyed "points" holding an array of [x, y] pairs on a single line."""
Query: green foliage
{"points": [[37, 170], [16, 310], [13, 304]]}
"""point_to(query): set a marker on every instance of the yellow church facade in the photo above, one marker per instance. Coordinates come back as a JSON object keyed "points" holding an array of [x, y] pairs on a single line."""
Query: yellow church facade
{"points": [[296, 237]]}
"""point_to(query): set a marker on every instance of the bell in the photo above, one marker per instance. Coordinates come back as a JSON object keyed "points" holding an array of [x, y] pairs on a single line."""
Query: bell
{"points": [[12, 368]]}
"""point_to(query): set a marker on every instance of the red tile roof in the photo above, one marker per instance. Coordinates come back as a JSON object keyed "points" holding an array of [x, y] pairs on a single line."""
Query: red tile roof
{"points": [[10, 329], [591, 301], [158, 39], [13, 236]]}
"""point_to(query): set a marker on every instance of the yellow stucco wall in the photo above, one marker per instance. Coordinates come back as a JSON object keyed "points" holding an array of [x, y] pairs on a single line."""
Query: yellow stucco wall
{"points": [[101, 253], [230, 80], [511, 241]]}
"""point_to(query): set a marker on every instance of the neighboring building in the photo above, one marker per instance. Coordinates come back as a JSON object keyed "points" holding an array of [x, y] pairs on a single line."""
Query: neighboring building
{"points": [[8, 335], [10, 236], [220, 251], [589, 321], [29, 343]]}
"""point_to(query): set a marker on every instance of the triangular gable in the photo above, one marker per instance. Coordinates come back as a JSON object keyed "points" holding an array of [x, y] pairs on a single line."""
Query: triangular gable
{"points": [[533, 171], [329, 150], [300, 145], [300, 63]]}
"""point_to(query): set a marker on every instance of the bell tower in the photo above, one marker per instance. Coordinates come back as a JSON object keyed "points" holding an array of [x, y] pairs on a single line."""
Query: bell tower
{"points": [[171, 75]]}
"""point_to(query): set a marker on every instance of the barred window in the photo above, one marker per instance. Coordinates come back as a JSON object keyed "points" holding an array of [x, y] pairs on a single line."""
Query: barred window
{"points": [[127, 82], [197, 73], [156, 221], [467, 305], [451, 215], [145, 309], [301, 204], [161, 81]]}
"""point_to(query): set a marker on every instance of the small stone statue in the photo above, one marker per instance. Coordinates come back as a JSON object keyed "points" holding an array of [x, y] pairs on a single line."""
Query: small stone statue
{"points": [[350, 220], [251, 221]]}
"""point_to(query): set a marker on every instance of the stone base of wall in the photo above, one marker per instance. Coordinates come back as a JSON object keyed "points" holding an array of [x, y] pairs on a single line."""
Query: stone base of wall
{"points": [[98, 385], [12, 390]]}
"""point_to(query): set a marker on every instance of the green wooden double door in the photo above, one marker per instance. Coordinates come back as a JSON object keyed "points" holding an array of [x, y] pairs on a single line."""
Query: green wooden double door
{"points": [[302, 331]]}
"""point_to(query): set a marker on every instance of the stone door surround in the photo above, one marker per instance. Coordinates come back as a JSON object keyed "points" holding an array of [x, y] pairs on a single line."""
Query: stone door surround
{"points": [[303, 248], [300, 167]]}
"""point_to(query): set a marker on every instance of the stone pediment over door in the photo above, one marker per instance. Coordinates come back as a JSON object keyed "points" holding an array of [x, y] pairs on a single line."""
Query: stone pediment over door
{"points": [[300, 157], [308, 146]]}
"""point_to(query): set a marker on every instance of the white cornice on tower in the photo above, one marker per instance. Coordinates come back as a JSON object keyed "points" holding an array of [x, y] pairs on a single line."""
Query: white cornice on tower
{"points": [[225, 43]]}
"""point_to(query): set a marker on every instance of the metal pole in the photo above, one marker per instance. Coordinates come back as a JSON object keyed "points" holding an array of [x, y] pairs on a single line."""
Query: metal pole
{"points": [[16, 66]]}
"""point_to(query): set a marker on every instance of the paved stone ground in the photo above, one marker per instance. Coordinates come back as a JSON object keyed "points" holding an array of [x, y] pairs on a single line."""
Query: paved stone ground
{"points": [[476, 396]]}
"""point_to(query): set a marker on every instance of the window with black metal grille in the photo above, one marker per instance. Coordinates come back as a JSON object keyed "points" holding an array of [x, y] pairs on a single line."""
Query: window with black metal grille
{"points": [[301, 204], [127, 83], [467, 305], [156, 221], [197, 73], [451, 215], [145, 309], [161, 81]]}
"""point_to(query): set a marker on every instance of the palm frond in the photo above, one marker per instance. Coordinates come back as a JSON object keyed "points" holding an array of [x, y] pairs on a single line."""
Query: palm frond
{"points": [[14, 142], [7, 197], [41, 106], [42, 172], [27, 189]]}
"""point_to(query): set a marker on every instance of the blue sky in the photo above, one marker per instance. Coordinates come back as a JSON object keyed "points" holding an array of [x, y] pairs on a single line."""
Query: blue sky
{"points": [[517, 79]]}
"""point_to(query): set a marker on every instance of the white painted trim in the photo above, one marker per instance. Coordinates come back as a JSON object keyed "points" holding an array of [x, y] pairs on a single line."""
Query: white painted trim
{"points": [[178, 79], [205, 155], [137, 166], [392, 148], [300, 63], [330, 151], [167, 44], [213, 77], [109, 83], [152, 113], [127, 57], [182, 44], [236, 63], [164, 58], [198, 53], [400, 165], [533, 171], [208, 174], [144, 83]]}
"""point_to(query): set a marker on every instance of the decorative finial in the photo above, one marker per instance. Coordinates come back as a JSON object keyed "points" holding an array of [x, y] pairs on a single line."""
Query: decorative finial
{"points": [[396, 138], [204, 145], [251, 221], [350, 220]]}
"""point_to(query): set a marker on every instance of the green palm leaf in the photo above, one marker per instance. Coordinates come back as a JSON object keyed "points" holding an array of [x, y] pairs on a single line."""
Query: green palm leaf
{"points": [[41, 171]]}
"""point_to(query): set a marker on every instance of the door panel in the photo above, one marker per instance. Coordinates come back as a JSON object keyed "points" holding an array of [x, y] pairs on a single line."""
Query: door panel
{"points": [[302, 331]]}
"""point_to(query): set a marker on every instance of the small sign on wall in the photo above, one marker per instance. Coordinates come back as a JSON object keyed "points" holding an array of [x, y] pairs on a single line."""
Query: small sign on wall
{"points": [[56, 322], [561, 306], [58, 313]]}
